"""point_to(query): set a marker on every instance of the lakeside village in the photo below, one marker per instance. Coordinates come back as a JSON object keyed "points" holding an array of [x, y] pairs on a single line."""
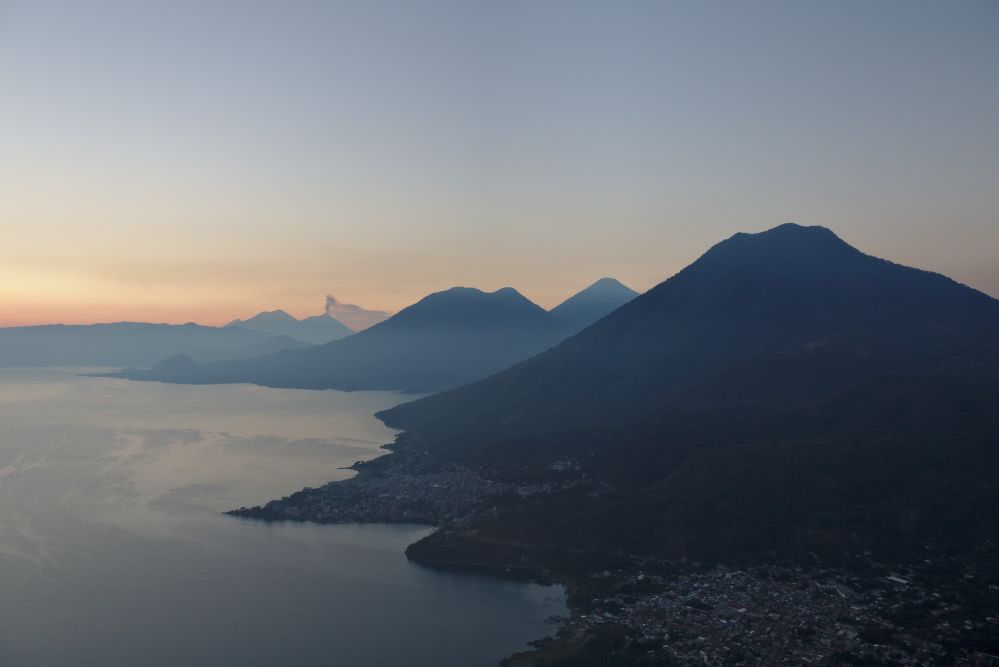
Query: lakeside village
{"points": [[936, 610], [693, 614]]}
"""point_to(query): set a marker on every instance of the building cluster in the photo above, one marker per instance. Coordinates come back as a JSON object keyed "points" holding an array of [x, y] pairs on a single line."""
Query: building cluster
{"points": [[404, 488], [780, 615], [430, 498]]}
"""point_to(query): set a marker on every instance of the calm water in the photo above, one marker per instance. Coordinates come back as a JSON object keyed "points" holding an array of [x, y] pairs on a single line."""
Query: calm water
{"points": [[113, 551]]}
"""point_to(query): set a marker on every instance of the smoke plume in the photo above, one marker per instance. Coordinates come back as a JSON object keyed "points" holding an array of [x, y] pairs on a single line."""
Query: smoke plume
{"points": [[353, 316]]}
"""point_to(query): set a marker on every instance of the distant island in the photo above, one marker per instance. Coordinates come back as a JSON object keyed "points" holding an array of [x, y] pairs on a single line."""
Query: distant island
{"points": [[784, 453]]}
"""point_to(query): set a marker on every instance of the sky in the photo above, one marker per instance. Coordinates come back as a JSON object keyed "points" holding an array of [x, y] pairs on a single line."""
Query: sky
{"points": [[204, 160]]}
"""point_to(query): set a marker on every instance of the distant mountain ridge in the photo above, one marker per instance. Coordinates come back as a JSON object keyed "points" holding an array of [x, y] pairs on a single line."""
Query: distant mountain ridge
{"points": [[446, 339], [316, 330], [131, 344]]}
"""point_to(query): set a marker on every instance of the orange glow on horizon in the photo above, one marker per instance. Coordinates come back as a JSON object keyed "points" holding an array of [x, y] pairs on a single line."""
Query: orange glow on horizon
{"points": [[204, 314]]}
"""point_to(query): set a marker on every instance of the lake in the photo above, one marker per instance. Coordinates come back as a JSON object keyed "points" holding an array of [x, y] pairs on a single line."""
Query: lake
{"points": [[114, 551]]}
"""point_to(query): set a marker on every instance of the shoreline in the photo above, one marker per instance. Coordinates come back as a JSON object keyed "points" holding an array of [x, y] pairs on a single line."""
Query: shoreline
{"points": [[653, 611]]}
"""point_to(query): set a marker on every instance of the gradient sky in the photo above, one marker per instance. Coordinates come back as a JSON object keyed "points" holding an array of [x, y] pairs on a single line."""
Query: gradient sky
{"points": [[191, 160]]}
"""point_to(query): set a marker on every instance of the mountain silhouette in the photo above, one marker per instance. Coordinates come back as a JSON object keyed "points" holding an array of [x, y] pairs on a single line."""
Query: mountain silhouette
{"points": [[316, 330], [781, 316], [586, 307], [446, 339], [785, 392], [131, 344]]}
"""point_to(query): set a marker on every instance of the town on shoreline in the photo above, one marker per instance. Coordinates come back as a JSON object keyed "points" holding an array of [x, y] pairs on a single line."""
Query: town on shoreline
{"points": [[935, 608]]}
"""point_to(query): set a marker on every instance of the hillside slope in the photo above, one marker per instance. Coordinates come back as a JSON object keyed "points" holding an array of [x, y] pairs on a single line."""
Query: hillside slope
{"points": [[785, 393], [777, 318]]}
